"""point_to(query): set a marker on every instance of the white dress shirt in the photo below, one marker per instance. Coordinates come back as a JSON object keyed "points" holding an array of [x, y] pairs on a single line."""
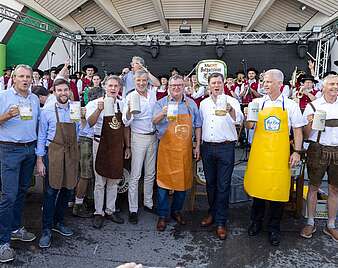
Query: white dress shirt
{"points": [[329, 137], [295, 118], [219, 128], [141, 123], [90, 109]]}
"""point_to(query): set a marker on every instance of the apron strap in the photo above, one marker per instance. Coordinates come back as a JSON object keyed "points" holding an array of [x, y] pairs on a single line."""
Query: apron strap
{"points": [[283, 106], [57, 114], [319, 132]]}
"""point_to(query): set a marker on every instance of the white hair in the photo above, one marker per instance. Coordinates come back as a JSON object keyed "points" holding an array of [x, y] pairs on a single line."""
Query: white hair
{"points": [[24, 66], [140, 73], [276, 74], [329, 77], [138, 59]]}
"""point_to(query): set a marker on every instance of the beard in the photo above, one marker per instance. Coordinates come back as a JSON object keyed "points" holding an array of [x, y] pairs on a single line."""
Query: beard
{"points": [[59, 100]]}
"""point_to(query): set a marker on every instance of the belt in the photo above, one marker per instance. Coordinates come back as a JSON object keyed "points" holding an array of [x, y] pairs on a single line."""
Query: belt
{"points": [[97, 136], [150, 133], [18, 143], [85, 138], [218, 143]]}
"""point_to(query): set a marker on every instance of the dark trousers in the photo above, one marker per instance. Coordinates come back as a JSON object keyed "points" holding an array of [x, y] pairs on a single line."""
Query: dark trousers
{"points": [[275, 213], [218, 165], [17, 165], [55, 202], [163, 209]]}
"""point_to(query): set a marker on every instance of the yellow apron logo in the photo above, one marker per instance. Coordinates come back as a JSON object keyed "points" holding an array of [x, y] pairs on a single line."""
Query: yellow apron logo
{"points": [[272, 123]]}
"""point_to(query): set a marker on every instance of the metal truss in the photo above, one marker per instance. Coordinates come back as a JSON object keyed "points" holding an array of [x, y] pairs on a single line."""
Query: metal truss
{"points": [[322, 57], [197, 38], [40, 25]]}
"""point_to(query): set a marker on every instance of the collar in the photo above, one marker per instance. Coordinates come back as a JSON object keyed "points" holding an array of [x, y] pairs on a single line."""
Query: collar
{"points": [[322, 100], [59, 106], [280, 98], [252, 81], [18, 94], [172, 99]]}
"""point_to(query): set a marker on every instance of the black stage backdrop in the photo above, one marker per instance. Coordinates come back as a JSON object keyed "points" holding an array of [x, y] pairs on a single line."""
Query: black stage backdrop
{"points": [[261, 56]]}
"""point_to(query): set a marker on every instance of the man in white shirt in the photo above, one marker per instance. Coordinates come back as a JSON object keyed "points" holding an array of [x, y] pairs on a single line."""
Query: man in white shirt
{"points": [[110, 137], [267, 176], [219, 136], [322, 156], [143, 144]]}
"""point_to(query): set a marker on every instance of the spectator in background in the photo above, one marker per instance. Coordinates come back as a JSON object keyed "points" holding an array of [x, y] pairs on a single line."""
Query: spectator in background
{"points": [[42, 94]]}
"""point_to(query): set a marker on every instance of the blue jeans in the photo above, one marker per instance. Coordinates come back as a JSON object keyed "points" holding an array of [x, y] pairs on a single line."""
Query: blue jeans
{"points": [[218, 164], [17, 165], [55, 202], [163, 210]]}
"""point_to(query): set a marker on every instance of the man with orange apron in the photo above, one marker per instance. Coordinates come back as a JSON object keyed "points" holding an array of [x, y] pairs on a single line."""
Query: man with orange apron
{"points": [[57, 161], [268, 172], [175, 118], [110, 138]]}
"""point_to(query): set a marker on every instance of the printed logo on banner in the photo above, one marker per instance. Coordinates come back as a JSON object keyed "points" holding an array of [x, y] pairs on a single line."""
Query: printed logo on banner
{"points": [[272, 123]]}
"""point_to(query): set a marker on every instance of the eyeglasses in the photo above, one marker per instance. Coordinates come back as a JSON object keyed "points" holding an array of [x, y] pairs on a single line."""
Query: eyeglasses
{"points": [[176, 85]]}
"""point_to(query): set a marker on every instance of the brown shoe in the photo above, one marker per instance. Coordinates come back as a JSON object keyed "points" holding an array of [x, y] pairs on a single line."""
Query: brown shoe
{"points": [[333, 233], [307, 231], [207, 221], [161, 225], [178, 217], [221, 232]]}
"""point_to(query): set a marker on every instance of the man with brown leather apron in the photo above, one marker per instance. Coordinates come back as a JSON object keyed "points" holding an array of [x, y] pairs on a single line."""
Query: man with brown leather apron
{"points": [[174, 162], [111, 146], [267, 176], [57, 161], [322, 156]]}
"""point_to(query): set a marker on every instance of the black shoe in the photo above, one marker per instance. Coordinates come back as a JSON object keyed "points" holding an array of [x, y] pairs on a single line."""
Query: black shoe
{"points": [[115, 217], [274, 238], [150, 210], [98, 221], [254, 229], [80, 210], [133, 217]]}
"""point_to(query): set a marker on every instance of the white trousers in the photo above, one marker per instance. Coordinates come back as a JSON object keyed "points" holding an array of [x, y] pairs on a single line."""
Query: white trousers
{"points": [[143, 153], [102, 184]]}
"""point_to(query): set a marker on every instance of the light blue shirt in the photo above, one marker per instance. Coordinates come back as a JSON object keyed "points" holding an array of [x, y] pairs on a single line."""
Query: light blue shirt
{"points": [[128, 83], [15, 129], [162, 126], [86, 131], [47, 126]]}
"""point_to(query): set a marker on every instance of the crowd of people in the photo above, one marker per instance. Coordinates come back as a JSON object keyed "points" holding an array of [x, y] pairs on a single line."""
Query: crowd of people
{"points": [[173, 124]]}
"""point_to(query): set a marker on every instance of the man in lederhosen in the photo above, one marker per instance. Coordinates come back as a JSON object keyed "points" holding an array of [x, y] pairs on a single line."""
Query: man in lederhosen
{"points": [[268, 177], [322, 156], [174, 162], [110, 138], [58, 161]]}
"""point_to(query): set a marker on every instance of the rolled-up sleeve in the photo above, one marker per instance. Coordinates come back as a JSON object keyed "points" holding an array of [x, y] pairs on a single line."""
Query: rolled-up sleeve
{"points": [[296, 117], [42, 135]]}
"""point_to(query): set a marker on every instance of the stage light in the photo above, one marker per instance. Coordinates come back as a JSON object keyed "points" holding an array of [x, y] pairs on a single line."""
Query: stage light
{"points": [[302, 7], [184, 28], [90, 30], [155, 49], [316, 29], [301, 50], [293, 27], [220, 51], [78, 36]]}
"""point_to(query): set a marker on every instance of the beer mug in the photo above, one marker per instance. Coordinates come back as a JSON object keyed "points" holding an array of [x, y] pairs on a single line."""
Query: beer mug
{"points": [[172, 110], [109, 106], [25, 110], [318, 122], [135, 103], [75, 111], [253, 109], [221, 105]]}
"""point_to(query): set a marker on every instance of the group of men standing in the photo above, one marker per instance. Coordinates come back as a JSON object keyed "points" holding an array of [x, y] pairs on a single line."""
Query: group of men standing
{"points": [[164, 145]]}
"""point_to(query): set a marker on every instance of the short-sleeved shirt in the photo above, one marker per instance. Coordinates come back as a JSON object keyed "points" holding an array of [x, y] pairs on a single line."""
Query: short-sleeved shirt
{"points": [[329, 137]]}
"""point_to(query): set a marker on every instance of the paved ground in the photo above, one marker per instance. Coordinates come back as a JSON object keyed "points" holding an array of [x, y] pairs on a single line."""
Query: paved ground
{"points": [[191, 246]]}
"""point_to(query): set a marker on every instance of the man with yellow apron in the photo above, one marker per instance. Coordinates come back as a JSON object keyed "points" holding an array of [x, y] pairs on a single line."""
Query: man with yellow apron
{"points": [[110, 138], [268, 172], [175, 118], [57, 161]]}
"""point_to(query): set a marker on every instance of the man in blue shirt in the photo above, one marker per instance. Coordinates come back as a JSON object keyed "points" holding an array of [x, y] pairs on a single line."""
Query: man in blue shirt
{"points": [[58, 161], [17, 156], [175, 118]]}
